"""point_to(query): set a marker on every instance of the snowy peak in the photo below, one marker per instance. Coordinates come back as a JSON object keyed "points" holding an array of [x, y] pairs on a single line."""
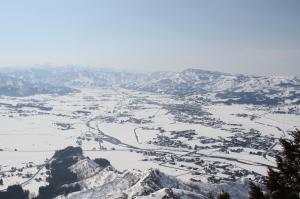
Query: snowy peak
{"points": [[85, 168]]}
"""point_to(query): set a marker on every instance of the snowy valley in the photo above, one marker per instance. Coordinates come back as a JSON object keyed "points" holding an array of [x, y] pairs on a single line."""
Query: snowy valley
{"points": [[190, 133]]}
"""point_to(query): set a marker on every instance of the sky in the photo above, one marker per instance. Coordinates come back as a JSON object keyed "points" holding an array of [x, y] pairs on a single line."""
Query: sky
{"points": [[260, 37]]}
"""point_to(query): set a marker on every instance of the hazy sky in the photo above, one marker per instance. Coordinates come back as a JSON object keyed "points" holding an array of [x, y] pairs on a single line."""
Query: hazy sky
{"points": [[240, 36]]}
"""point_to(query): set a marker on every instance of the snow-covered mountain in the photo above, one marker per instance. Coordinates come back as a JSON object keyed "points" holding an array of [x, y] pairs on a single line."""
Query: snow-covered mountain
{"points": [[216, 86], [74, 76], [108, 183], [223, 86]]}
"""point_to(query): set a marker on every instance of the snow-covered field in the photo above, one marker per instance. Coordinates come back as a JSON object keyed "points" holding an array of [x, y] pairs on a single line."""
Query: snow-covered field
{"points": [[139, 130]]}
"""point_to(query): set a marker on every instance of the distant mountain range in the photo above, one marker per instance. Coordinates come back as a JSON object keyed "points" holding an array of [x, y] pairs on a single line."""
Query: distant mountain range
{"points": [[215, 86], [15, 86]]}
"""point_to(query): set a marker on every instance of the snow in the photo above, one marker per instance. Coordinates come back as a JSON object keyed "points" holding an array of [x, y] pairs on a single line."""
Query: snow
{"points": [[36, 137]]}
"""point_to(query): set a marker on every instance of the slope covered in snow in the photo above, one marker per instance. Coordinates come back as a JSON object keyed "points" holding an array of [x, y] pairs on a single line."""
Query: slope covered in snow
{"points": [[96, 181]]}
